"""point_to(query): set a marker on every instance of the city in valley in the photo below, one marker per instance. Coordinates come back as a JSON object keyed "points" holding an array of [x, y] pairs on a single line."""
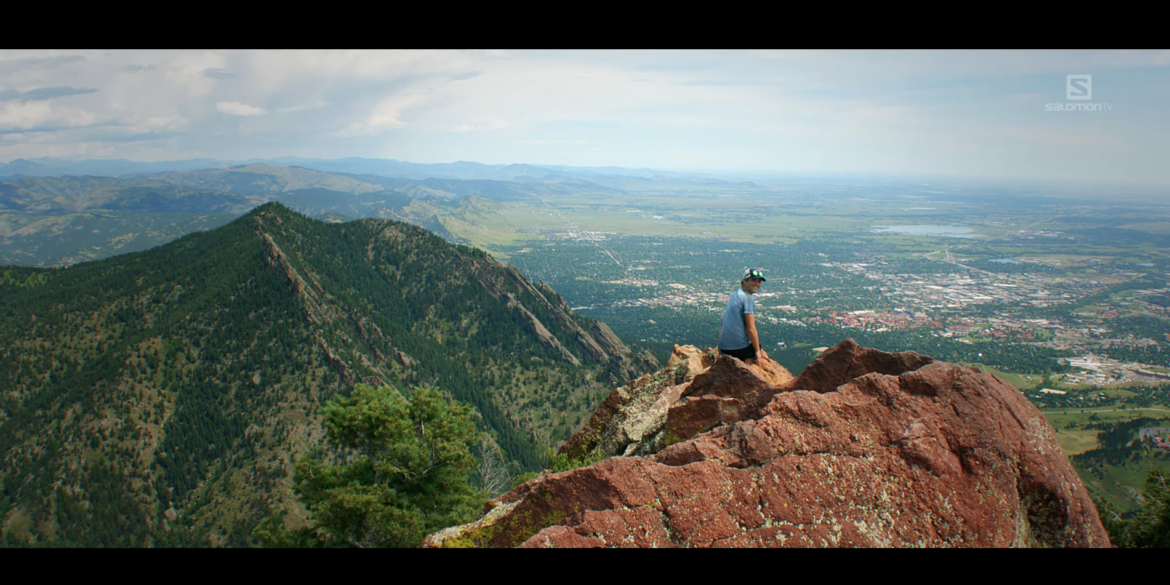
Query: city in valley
{"points": [[1087, 304], [1064, 295], [365, 298]]}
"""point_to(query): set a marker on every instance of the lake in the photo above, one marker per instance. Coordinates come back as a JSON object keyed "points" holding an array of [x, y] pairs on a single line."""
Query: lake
{"points": [[946, 231]]}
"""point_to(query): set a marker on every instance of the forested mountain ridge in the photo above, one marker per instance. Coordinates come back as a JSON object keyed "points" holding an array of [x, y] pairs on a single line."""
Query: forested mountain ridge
{"points": [[160, 397]]}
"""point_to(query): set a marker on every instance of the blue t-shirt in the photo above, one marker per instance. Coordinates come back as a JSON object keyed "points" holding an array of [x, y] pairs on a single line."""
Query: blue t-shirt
{"points": [[733, 335]]}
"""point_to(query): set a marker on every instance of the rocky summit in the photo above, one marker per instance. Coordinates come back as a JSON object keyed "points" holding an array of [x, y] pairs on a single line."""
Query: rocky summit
{"points": [[864, 449]]}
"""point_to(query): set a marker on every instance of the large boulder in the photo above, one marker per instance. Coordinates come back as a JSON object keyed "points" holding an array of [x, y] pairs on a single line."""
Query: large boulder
{"points": [[696, 391], [864, 449]]}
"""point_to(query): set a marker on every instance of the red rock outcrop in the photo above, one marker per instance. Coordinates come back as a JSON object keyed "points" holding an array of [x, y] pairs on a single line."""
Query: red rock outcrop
{"points": [[683, 399], [864, 449]]}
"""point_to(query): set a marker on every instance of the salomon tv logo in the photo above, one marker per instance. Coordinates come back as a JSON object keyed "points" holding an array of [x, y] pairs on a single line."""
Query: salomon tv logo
{"points": [[1078, 90]]}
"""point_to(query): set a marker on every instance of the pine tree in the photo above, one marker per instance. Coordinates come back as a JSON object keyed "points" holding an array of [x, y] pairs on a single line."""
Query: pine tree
{"points": [[1150, 526], [406, 470]]}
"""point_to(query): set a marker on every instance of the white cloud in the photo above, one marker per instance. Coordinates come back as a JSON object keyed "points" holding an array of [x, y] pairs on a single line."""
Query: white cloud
{"points": [[184, 70], [386, 114], [238, 109], [156, 124], [302, 107], [41, 115]]}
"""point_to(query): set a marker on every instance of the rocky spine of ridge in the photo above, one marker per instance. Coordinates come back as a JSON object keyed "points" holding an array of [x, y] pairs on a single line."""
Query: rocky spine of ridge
{"points": [[600, 340], [598, 343], [320, 313], [864, 449]]}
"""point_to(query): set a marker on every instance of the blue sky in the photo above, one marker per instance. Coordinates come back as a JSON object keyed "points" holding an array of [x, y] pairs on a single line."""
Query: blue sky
{"points": [[959, 113]]}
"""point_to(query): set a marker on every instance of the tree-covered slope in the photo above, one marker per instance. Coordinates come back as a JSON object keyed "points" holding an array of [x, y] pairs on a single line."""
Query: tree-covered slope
{"points": [[160, 397]]}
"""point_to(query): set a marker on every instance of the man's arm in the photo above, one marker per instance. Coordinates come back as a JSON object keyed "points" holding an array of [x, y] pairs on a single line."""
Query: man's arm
{"points": [[749, 322]]}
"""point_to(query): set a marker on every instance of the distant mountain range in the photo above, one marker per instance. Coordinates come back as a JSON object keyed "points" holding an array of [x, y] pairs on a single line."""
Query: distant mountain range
{"points": [[390, 168], [160, 397], [51, 220], [49, 167]]}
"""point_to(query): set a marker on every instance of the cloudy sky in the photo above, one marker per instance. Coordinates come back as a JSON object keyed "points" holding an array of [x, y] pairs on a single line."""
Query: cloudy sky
{"points": [[974, 113]]}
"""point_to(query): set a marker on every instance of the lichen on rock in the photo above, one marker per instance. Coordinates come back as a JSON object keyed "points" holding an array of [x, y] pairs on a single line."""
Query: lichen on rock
{"points": [[864, 449]]}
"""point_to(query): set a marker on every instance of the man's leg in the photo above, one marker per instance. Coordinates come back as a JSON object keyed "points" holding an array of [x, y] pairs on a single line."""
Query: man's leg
{"points": [[744, 354]]}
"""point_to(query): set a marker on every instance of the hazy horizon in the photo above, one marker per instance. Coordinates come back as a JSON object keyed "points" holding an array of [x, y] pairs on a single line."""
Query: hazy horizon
{"points": [[731, 175], [993, 115]]}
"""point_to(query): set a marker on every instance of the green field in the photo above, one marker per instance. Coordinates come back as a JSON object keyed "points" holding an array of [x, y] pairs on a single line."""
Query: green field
{"points": [[1077, 442], [1020, 381], [1119, 485], [1157, 228], [737, 220], [1068, 418]]}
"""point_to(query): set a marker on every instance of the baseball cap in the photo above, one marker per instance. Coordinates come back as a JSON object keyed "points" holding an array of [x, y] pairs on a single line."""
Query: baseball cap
{"points": [[754, 273]]}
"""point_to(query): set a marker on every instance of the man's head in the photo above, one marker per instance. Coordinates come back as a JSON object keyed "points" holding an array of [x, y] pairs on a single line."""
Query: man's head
{"points": [[752, 279]]}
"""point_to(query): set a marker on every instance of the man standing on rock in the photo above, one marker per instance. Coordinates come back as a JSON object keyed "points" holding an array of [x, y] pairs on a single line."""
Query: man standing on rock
{"points": [[738, 337]]}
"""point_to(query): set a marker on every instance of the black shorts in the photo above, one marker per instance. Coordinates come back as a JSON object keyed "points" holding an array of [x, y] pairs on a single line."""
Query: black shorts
{"points": [[745, 354]]}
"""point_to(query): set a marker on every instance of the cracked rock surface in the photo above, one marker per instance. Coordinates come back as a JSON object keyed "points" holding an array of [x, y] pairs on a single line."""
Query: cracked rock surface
{"points": [[864, 449]]}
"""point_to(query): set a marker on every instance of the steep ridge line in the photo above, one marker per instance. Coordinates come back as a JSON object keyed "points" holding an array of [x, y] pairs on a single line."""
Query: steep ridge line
{"points": [[321, 314]]}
